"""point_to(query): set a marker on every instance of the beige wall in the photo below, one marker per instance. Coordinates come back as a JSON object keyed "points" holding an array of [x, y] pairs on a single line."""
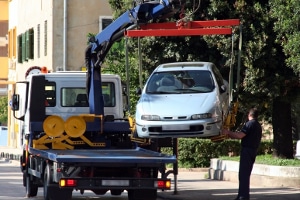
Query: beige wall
{"points": [[27, 14], [83, 19]]}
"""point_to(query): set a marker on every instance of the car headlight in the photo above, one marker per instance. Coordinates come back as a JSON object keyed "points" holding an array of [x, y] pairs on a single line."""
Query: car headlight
{"points": [[150, 117], [201, 116]]}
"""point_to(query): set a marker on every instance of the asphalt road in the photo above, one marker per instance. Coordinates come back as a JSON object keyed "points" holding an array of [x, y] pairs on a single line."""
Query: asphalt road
{"points": [[191, 185]]}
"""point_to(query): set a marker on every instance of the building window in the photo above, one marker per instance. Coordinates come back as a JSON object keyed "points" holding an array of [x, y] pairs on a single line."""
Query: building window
{"points": [[104, 21], [10, 43], [20, 49], [29, 44], [23, 47], [38, 40], [45, 38], [3, 38], [14, 43]]}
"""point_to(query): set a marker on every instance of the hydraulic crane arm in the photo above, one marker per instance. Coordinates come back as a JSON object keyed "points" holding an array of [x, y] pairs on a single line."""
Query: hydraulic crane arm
{"points": [[99, 46], [142, 13]]}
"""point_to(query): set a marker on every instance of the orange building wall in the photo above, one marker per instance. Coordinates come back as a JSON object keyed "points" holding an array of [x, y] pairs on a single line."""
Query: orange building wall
{"points": [[3, 40]]}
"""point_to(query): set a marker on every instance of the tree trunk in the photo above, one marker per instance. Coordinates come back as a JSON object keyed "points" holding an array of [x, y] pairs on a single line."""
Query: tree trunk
{"points": [[282, 129]]}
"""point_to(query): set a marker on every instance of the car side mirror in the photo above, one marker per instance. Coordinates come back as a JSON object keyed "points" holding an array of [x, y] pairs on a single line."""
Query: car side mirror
{"points": [[139, 91], [223, 88]]}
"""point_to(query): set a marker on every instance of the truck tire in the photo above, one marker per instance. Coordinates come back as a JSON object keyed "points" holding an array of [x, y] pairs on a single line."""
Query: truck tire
{"points": [[52, 190], [31, 188], [142, 194], [28, 181]]}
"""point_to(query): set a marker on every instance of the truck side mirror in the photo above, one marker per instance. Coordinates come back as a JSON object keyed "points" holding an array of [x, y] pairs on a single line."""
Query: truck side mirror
{"points": [[15, 102]]}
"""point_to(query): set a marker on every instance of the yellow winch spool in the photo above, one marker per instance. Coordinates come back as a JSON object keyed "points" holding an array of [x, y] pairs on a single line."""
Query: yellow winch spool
{"points": [[75, 126], [53, 126]]}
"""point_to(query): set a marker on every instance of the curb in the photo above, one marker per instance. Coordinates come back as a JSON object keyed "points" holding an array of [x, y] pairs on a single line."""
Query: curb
{"points": [[262, 175], [190, 169], [10, 156]]}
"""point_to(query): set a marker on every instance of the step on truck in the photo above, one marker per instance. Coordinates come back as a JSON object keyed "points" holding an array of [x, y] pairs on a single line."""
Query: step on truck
{"points": [[74, 130]]}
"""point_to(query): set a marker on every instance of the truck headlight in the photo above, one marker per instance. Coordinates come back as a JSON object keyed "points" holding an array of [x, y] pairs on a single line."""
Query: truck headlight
{"points": [[150, 117], [201, 116]]}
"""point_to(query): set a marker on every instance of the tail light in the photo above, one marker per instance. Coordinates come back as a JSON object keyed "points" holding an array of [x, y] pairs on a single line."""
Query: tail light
{"points": [[67, 183], [163, 184]]}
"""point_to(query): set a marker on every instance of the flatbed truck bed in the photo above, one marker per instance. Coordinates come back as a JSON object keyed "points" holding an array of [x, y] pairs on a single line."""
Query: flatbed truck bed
{"points": [[105, 156]]}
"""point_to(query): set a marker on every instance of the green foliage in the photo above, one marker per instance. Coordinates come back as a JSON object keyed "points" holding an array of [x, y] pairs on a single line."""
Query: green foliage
{"points": [[116, 64], [268, 160], [286, 13], [264, 75], [193, 153], [3, 110]]}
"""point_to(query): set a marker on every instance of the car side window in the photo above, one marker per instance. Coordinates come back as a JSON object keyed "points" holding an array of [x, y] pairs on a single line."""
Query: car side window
{"points": [[218, 76]]}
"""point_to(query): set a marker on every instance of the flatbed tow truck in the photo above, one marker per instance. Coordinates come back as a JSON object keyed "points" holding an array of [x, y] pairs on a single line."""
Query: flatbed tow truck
{"points": [[89, 144]]}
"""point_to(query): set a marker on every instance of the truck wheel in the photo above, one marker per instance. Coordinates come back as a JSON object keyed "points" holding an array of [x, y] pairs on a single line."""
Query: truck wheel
{"points": [[142, 194], [31, 188], [47, 181], [51, 189]]}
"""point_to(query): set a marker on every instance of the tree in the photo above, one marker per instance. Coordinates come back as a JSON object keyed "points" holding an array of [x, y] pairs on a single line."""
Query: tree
{"points": [[264, 73], [286, 26], [3, 110], [286, 13]]}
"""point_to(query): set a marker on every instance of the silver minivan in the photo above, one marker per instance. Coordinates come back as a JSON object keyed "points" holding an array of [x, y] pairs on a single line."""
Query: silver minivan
{"points": [[182, 99]]}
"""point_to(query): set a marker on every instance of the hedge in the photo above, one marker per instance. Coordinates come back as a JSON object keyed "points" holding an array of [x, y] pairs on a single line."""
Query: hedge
{"points": [[194, 153]]}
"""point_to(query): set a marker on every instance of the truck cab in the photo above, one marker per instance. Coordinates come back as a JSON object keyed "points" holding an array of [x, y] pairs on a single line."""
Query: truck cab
{"points": [[43, 95]]}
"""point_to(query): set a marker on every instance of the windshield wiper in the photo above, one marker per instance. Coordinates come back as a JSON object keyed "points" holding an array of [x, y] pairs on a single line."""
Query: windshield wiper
{"points": [[190, 90]]}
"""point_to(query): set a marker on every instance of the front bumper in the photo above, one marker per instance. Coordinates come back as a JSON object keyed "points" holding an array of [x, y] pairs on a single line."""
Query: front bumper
{"points": [[176, 129]]}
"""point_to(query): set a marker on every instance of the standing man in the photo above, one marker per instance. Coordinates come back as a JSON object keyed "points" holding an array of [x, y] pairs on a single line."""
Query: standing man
{"points": [[251, 136]]}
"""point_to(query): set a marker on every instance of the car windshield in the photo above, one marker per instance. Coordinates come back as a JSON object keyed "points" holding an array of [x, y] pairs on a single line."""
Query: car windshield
{"points": [[185, 81]]}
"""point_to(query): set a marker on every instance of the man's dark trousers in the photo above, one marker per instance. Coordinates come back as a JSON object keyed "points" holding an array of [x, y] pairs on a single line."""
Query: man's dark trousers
{"points": [[247, 159]]}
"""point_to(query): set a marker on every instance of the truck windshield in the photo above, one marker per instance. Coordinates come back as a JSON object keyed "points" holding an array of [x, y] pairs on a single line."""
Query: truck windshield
{"points": [[76, 97], [174, 82]]}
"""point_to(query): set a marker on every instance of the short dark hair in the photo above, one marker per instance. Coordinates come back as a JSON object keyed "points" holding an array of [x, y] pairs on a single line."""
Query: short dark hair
{"points": [[253, 112]]}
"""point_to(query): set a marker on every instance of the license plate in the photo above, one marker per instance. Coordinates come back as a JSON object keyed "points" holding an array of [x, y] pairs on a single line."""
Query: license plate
{"points": [[175, 127], [115, 182]]}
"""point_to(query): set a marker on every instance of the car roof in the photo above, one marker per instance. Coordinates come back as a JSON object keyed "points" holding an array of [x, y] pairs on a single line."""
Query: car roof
{"points": [[186, 65]]}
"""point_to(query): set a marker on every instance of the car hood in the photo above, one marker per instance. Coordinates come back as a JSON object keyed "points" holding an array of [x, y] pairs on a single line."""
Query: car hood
{"points": [[177, 104]]}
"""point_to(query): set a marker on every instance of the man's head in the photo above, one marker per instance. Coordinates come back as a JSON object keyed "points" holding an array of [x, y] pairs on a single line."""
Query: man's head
{"points": [[253, 113]]}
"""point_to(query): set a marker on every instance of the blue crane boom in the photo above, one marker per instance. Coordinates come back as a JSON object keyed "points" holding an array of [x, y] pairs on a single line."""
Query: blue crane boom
{"points": [[100, 44]]}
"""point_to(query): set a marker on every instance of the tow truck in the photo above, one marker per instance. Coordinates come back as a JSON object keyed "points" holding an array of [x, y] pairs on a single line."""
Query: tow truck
{"points": [[73, 140]]}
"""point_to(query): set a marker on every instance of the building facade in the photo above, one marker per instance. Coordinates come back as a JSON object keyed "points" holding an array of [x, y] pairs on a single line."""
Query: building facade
{"points": [[50, 34], [3, 46]]}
